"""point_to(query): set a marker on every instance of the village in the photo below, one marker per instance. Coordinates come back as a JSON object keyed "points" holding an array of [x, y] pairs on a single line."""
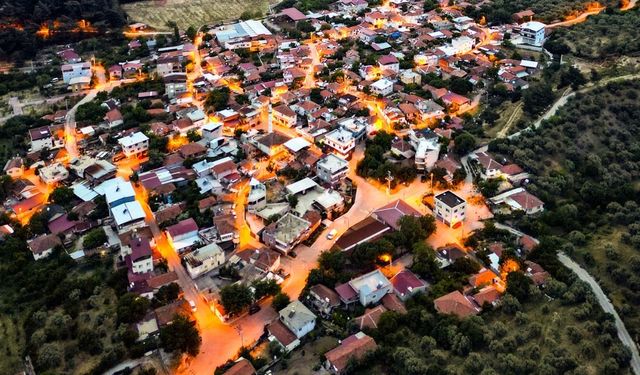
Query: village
{"points": [[260, 149]]}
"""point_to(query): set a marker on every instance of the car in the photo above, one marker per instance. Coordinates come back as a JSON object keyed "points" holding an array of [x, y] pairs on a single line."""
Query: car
{"points": [[194, 308], [293, 254], [332, 234], [253, 309]]}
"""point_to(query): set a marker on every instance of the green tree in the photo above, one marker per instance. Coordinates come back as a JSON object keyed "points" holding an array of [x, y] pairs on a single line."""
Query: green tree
{"points": [[518, 285], [181, 336], [265, 288], [63, 196], [131, 308], [217, 99], [96, 237], [235, 298], [415, 229], [464, 143], [280, 301], [537, 97]]}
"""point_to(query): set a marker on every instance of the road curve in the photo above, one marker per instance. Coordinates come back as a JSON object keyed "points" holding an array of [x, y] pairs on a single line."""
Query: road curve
{"points": [[607, 306]]}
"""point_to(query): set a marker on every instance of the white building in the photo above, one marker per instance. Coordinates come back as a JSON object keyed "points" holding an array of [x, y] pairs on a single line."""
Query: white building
{"points": [[427, 153], [371, 287], [204, 260], [382, 87], [212, 130], [332, 169], [141, 255], [43, 137], [298, 318], [533, 33], [283, 115], [77, 70], [462, 44], [52, 174], [341, 141], [450, 208], [257, 198], [134, 144], [128, 216]]}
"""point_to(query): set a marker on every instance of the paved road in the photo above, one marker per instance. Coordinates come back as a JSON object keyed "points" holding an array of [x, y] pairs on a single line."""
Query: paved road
{"points": [[606, 305]]}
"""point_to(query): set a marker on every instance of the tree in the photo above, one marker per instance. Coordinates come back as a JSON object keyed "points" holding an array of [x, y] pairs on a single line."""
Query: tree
{"points": [[518, 285], [49, 356], [181, 336], [280, 301], [425, 263], [464, 143], [217, 99], [96, 237], [293, 200], [191, 32], [193, 136], [63, 196], [572, 76], [460, 86], [235, 298], [415, 229], [166, 294], [131, 308], [265, 288], [537, 97]]}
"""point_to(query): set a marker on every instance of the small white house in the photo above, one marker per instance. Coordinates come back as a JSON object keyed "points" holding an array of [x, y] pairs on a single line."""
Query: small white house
{"points": [[341, 141], [382, 87], [204, 260], [332, 169], [298, 318]]}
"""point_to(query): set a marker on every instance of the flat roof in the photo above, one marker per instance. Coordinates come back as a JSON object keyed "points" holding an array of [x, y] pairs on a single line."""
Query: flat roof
{"points": [[300, 186], [297, 144], [450, 199], [127, 212], [133, 139]]}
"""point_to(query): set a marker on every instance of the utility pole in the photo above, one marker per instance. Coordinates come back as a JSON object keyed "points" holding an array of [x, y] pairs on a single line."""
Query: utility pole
{"points": [[389, 178], [238, 329]]}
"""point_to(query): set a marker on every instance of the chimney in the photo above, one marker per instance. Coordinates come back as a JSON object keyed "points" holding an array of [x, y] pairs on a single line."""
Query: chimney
{"points": [[269, 124]]}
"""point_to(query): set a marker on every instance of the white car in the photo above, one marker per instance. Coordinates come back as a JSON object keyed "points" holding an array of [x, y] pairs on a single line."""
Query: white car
{"points": [[332, 234], [194, 308]]}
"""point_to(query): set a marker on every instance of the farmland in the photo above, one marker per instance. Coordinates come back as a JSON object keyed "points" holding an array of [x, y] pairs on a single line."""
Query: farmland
{"points": [[187, 13]]}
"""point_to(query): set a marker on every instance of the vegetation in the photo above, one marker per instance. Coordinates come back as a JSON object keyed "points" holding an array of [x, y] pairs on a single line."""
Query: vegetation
{"points": [[586, 164], [181, 336], [501, 11], [235, 298], [377, 166], [96, 237], [605, 35]]}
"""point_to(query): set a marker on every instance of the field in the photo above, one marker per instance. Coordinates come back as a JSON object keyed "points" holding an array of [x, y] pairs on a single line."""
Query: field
{"points": [[11, 345], [187, 13]]}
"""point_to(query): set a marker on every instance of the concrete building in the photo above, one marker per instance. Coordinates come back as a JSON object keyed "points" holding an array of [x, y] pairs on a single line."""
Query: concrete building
{"points": [[533, 33], [286, 233], [382, 87], [283, 115], [427, 153], [341, 142], [70, 71], [204, 259], [332, 169], [450, 208], [141, 255], [298, 318], [52, 174], [134, 144], [45, 137]]}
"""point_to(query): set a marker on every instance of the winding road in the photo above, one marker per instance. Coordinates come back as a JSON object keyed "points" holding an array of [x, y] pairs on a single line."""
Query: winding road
{"points": [[607, 306]]}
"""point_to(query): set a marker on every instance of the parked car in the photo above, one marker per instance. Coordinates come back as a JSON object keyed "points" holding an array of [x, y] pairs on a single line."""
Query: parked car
{"points": [[253, 309], [332, 234], [194, 308]]}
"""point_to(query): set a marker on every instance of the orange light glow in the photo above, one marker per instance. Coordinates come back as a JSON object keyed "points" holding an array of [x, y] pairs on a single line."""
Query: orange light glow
{"points": [[44, 32], [176, 142]]}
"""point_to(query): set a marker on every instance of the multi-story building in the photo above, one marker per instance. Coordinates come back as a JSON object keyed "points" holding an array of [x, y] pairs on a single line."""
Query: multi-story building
{"points": [[341, 142], [70, 71], [533, 33], [332, 169], [450, 208], [134, 144]]}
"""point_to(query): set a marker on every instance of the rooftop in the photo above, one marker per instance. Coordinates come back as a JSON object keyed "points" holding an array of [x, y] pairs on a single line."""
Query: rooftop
{"points": [[450, 199]]}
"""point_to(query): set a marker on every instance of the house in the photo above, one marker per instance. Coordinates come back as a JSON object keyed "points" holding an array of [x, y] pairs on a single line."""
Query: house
{"points": [[354, 347], [370, 287], [278, 332], [406, 284], [204, 259], [382, 87], [536, 273], [341, 142], [141, 256], [488, 294], [241, 366], [324, 299], [391, 213], [483, 278], [519, 199], [371, 317], [43, 245], [533, 33], [366, 230], [283, 115], [389, 62], [14, 167], [53, 173], [77, 70], [183, 235], [113, 118], [175, 84], [44, 137], [134, 144], [265, 260], [455, 303], [298, 318], [427, 152], [286, 233], [490, 168], [450, 208], [192, 150], [332, 169]]}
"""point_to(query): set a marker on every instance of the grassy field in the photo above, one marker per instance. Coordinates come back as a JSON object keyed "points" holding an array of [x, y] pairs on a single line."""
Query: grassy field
{"points": [[303, 364], [190, 12]]}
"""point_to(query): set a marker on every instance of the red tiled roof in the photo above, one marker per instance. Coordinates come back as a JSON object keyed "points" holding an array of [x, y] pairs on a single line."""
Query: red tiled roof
{"points": [[294, 14], [405, 281], [325, 294], [393, 303], [183, 227], [456, 304], [488, 294], [43, 243], [281, 333], [346, 292], [241, 367], [370, 318], [391, 213], [354, 346], [526, 200]]}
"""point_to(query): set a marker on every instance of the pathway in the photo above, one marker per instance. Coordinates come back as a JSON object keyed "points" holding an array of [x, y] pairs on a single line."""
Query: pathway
{"points": [[607, 306]]}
